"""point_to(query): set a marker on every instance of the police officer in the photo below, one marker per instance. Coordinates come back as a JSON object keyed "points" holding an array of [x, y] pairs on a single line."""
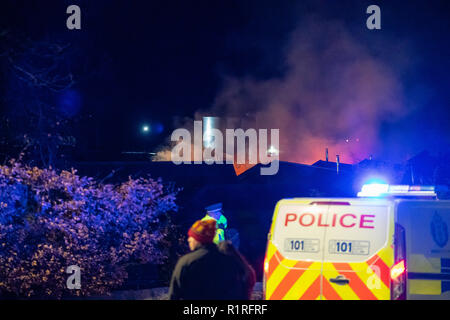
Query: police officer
{"points": [[215, 212]]}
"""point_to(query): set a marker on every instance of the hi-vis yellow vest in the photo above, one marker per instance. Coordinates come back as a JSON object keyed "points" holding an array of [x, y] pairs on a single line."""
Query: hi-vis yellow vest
{"points": [[221, 226]]}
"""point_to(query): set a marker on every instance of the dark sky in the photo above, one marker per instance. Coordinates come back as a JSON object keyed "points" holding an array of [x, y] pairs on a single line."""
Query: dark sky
{"points": [[151, 62]]}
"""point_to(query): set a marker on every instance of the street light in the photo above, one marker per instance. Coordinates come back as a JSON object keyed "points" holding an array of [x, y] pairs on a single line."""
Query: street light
{"points": [[145, 128]]}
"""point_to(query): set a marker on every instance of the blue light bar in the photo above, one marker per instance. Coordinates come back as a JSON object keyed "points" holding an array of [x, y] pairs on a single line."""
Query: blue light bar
{"points": [[385, 190], [373, 190]]}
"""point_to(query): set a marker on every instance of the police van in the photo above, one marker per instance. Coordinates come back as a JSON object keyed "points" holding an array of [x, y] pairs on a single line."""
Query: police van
{"points": [[389, 243]]}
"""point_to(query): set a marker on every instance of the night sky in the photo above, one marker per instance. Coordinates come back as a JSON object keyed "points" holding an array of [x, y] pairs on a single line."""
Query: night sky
{"points": [[160, 62]]}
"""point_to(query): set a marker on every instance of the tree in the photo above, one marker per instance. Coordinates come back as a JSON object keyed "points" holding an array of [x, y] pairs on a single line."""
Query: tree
{"points": [[51, 220], [39, 76]]}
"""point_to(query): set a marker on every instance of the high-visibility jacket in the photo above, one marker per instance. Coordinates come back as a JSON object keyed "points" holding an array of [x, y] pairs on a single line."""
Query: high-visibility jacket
{"points": [[221, 226]]}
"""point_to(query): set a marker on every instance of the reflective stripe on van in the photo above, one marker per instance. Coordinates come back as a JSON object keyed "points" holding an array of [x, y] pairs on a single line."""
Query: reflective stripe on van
{"points": [[291, 279], [303, 280], [433, 279]]}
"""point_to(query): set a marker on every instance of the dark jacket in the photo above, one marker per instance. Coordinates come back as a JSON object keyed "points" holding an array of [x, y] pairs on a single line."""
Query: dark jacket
{"points": [[204, 274], [246, 274]]}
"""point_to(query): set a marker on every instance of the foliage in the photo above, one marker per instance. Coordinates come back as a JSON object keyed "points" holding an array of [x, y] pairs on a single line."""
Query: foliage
{"points": [[40, 101], [50, 220]]}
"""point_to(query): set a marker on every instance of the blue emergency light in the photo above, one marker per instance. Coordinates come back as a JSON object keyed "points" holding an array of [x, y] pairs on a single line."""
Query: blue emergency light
{"points": [[386, 190]]}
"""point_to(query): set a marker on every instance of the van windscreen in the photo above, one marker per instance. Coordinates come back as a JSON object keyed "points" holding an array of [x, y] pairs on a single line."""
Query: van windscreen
{"points": [[296, 234], [355, 233]]}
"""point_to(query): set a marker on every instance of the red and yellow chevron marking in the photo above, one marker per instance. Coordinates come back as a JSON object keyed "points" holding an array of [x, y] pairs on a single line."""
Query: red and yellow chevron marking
{"points": [[292, 280], [369, 280]]}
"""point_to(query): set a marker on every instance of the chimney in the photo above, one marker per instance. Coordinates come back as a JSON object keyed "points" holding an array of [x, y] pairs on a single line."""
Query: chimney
{"points": [[337, 164]]}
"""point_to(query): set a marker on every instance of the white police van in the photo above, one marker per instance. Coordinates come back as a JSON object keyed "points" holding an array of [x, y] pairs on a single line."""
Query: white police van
{"points": [[391, 242]]}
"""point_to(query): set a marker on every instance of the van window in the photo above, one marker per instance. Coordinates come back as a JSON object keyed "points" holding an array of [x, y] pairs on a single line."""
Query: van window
{"points": [[297, 233], [355, 233]]}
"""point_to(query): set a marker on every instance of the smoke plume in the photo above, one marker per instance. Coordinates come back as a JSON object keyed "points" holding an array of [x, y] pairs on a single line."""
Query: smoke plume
{"points": [[333, 94]]}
